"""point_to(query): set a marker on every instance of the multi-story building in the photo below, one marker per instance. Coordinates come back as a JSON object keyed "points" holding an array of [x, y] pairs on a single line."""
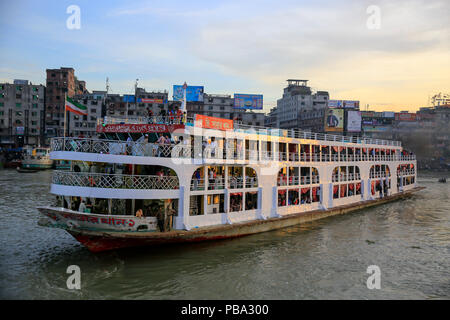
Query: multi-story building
{"points": [[86, 125], [21, 113], [154, 101], [299, 107], [60, 82]]}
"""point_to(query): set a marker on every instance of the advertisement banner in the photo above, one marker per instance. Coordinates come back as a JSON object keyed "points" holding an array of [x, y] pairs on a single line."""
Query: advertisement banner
{"points": [[375, 129], [151, 100], [403, 116], [213, 123], [248, 101], [335, 104], [367, 114], [138, 128], [353, 121], [20, 131], [128, 98], [334, 120], [193, 93], [351, 104], [388, 114]]}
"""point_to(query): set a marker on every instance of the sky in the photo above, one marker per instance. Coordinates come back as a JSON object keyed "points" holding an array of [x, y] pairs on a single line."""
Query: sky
{"points": [[389, 55]]}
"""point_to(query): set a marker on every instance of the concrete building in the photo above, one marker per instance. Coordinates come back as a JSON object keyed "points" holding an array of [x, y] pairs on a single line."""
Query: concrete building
{"points": [[86, 125], [60, 82], [299, 108], [22, 106]]}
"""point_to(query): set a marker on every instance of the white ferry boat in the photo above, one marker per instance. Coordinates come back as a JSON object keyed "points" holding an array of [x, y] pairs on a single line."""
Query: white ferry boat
{"points": [[37, 158], [161, 180]]}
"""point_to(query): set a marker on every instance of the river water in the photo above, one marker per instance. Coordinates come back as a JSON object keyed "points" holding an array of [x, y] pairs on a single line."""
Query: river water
{"points": [[409, 240]]}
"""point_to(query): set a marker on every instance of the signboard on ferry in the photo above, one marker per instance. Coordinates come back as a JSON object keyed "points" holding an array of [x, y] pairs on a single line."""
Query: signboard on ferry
{"points": [[206, 122]]}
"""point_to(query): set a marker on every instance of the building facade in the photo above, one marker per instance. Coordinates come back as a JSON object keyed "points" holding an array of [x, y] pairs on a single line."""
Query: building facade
{"points": [[22, 106], [59, 83], [299, 108]]}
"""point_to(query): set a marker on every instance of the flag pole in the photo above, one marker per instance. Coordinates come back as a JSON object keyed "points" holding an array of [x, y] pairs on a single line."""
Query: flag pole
{"points": [[65, 115]]}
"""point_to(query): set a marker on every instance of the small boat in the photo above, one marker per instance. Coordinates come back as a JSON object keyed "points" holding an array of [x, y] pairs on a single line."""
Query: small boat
{"points": [[38, 158], [443, 180], [21, 170]]}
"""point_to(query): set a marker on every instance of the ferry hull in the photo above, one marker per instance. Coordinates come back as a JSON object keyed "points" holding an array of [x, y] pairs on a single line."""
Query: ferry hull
{"points": [[97, 241]]}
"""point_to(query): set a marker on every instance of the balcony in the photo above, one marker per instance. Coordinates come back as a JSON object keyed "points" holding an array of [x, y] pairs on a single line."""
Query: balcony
{"points": [[115, 181]]}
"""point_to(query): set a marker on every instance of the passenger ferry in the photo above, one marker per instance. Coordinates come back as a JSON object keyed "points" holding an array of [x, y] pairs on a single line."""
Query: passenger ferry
{"points": [[37, 158], [163, 180]]}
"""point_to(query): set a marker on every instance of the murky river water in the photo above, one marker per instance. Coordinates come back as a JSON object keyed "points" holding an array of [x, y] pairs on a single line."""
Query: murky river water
{"points": [[409, 240]]}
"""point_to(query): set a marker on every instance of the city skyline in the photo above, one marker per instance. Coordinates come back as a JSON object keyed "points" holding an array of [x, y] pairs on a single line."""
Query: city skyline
{"points": [[237, 48]]}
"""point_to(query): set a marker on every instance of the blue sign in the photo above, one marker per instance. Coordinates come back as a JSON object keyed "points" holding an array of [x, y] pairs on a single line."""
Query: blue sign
{"points": [[128, 98], [193, 93], [248, 101]]}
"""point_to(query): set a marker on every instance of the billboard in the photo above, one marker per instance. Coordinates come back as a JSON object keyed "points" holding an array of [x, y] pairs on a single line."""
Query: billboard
{"points": [[343, 104], [351, 104], [388, 114], [353, 121], [128, 98], [248, 101], [335, 104], [405, 116], [334, 120], [193, 93], [151, 100]]}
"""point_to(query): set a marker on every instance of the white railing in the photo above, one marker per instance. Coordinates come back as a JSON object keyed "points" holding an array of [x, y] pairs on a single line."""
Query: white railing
{"points": [[406, 172], [379, 175], [295, 180], [116, 181], [239, 127], [139, 148], [345, 177]]}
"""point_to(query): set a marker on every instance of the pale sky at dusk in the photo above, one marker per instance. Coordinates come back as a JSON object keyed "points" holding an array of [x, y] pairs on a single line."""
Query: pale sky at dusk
{"points": [[237, 47]]}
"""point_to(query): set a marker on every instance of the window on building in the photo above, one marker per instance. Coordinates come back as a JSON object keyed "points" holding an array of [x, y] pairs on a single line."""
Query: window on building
{"points": [[18, 104], [93, 111], [34, 105]]}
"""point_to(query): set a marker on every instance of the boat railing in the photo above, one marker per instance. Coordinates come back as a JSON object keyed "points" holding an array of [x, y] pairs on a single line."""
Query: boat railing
{"points": [[116, 181], [345, 177], [143, 148], [406, 172], [217, 183], [296, 180], [374, 175], [197, 184]]}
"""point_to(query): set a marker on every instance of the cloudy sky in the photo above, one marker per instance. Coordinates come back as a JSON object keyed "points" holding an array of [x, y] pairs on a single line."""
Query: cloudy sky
{"points": [[238, 46]]}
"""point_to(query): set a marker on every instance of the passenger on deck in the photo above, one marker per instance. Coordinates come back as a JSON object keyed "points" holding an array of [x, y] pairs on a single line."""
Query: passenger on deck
{"points": [[82, 207], [139, 213]]}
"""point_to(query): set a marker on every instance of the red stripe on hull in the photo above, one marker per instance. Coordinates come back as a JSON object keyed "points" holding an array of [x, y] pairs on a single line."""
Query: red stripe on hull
{"points": [[99, 244]]}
